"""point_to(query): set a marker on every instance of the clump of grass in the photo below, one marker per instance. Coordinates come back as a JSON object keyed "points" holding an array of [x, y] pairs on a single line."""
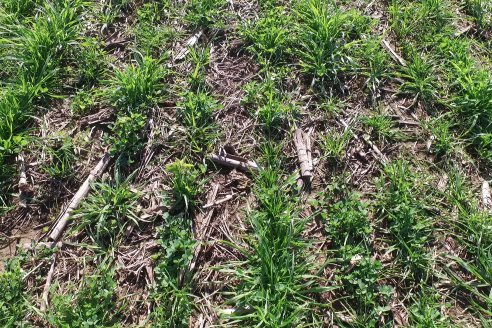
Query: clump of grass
{"points": [[14, 111], [186, 184], [420, 21], [107, 210], [381, 126], [275, 277], [273, 110], [62, 154], [200, 58], [205, 13], [138, 87], [13, 304], [325, 33], [375, 64], [420, 79], [472, 105], [92, 304], [151, 35], [270, 36], [91, 61], [20, 8], [334, 143], [38, 48], [473, 232], [402, 205], [481, 11], [444, 142], [197, 110]]}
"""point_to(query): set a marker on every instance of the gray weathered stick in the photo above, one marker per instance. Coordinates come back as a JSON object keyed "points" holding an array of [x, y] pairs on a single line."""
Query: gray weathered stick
{"points": [[77, 198], [393, 53], [234, 163], [46, 290]]}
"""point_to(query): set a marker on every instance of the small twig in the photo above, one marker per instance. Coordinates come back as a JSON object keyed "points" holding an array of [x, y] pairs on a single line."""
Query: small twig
{"points": [[219, 201], [234, 162], [486, 197], [393, 53], [62, 221], [46, 290], [380, 156]]}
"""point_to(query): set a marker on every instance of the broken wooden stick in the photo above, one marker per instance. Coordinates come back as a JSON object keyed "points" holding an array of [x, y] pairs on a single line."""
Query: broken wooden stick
{"points": [[62, 220], [303, 146], [234, 162], [393, 53], [379, 155], [46, 290], [188, 44]]}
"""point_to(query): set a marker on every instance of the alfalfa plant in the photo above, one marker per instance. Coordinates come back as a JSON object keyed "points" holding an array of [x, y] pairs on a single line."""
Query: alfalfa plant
{"points": [[172, 292], [137, 87], [93, 303], [13, 303], [127, 137]]}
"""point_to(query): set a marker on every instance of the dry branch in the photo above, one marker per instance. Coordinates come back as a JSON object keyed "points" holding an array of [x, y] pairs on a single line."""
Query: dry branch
{"points": [[234, 162], [46, 290], [303, 146], [393, 53], [486, 197], [186, 47], [62, 220]]}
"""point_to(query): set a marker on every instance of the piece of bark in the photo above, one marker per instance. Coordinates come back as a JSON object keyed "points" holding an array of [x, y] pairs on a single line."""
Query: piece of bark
{"points": [[393, 53], [304, 154], [62, 221], [234, 162], [486, 197]]}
